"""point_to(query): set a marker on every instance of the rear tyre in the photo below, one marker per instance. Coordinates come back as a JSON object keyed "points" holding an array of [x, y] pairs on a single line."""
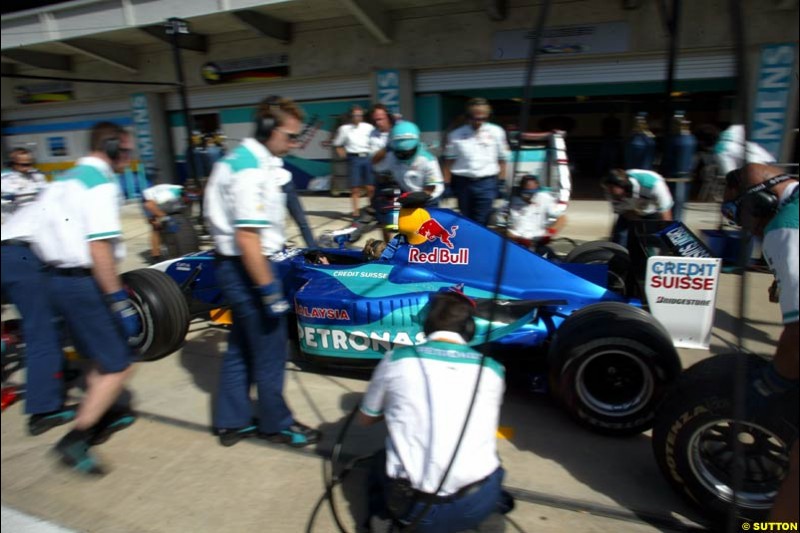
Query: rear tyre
{"points": [[163, 310], [605, 253], [182, 242], [610, 365], [694, 434]]}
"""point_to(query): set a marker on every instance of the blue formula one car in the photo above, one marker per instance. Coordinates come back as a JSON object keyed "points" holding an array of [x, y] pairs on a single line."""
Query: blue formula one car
{"points": [[609, 361]]}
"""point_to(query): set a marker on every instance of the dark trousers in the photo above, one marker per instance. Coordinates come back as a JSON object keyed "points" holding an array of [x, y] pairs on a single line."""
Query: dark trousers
{"points": [[619, 234], [475, 196], [24, 282], [256, 354], [461, 514]]}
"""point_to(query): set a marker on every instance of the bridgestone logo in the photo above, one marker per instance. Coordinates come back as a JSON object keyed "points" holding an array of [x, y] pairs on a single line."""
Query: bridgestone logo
{"points": [[682, 301]]}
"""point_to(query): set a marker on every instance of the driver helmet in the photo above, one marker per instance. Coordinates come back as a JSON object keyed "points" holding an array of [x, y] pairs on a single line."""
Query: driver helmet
{"points": [[404, 139]]}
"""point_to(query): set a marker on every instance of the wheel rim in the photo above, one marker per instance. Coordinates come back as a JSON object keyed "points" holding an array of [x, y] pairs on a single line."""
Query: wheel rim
{"points": [[765, 461], [614, 382]]}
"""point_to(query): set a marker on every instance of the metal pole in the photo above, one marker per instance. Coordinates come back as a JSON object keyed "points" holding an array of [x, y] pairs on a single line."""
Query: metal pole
{"points": [[673, 24], [174, 27]]}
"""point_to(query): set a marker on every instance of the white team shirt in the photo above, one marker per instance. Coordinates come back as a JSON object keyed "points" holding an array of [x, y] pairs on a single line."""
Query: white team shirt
{"points": [[354, 138], [475, 153], [424, 393], [245, 191], [650, 194], [530, 220], [378, 140], [80, 206], [781, 247], [731, 150], [166, 196], [416, 173], [18, 189]]}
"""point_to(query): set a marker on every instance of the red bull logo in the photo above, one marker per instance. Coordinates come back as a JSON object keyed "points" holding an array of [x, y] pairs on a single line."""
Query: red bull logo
{"points": [[440, 256], [432, 230]]}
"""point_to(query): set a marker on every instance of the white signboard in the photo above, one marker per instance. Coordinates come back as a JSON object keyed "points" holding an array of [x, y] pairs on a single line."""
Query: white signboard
{"points": [[682, 295]]}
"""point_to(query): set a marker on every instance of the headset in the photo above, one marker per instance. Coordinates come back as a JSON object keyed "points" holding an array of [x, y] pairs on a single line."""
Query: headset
{"points": [[111, 147], [618, 178], [265, 119], [758, 201]]}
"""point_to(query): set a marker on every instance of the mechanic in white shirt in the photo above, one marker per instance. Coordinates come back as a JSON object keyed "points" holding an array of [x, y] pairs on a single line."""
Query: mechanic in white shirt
{"points": [[159, 202], [424, 393], [352, 141], [534, 214], [636, 194], [379, 138], [78, 235], [245, 209], [732, 151], [20, 182], [475, 159]]}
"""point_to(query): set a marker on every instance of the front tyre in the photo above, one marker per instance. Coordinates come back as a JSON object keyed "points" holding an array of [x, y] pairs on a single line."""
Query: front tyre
{"points": [[610, 365], [694, 434], [163, 310]]}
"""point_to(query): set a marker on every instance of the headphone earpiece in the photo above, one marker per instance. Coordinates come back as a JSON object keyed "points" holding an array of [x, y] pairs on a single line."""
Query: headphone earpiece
{"points": [[469, 328], [759, 201], [111, 147], [266, 121]]}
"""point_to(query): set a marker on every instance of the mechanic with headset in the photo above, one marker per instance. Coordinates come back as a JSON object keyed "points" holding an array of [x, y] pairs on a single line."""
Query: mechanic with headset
{"points": [[534, 214], [424, 393], [636, 194], [411, 167], [159, 203], [245, 210], [475, 160], [20, 182], [764, 201], [352, 141], [77, 234]]}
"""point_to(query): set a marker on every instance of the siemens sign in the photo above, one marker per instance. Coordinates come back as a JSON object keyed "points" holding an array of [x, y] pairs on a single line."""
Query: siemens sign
{"points": [[772, 96], [388, 82], [144, 135]]}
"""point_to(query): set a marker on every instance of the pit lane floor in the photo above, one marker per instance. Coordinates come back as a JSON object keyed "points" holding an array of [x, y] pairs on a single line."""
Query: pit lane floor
{"points": [[170, 475]]}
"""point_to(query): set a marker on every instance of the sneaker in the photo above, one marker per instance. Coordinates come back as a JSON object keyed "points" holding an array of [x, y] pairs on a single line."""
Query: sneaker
{"points": [[230, 436], [74, 453], [297, 435], [114, 420], [41, 422]]}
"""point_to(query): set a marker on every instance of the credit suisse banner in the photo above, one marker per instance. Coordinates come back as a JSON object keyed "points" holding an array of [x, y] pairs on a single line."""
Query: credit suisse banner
{"points": [[682, 294]]}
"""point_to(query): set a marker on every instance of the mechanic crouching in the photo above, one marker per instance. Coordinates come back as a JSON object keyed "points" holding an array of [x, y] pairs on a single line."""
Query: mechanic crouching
{"points": [[424, 393], [245, 210]]}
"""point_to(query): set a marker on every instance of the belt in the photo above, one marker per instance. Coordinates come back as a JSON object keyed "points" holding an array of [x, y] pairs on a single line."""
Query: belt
{"points": [[475, 178], [463, 492], [72, 272], [16, 242], [358, 154]]}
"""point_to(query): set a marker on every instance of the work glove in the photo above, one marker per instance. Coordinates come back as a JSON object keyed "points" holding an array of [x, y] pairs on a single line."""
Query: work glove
{"points": [[126, 313], [275, 305], [764, 387], [169, 224]]}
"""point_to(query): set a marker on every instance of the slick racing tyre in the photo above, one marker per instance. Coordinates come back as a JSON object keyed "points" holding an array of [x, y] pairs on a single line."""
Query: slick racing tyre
{"points": [[610, 365], [183, 241], [605, 253], [163, 309], [694, 434]]}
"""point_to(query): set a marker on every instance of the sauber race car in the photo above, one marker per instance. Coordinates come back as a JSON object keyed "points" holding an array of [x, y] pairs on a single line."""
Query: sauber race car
{"points": [[609, 361]]}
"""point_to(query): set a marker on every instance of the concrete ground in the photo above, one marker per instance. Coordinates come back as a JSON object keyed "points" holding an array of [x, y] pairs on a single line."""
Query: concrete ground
{"points": [[169, 474]]}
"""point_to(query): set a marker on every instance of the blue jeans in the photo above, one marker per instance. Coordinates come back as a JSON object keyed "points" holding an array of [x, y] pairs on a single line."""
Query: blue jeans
{"points": [[360, 171], [680, 193], [475, 196], [24, 281], [256, 354]]}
